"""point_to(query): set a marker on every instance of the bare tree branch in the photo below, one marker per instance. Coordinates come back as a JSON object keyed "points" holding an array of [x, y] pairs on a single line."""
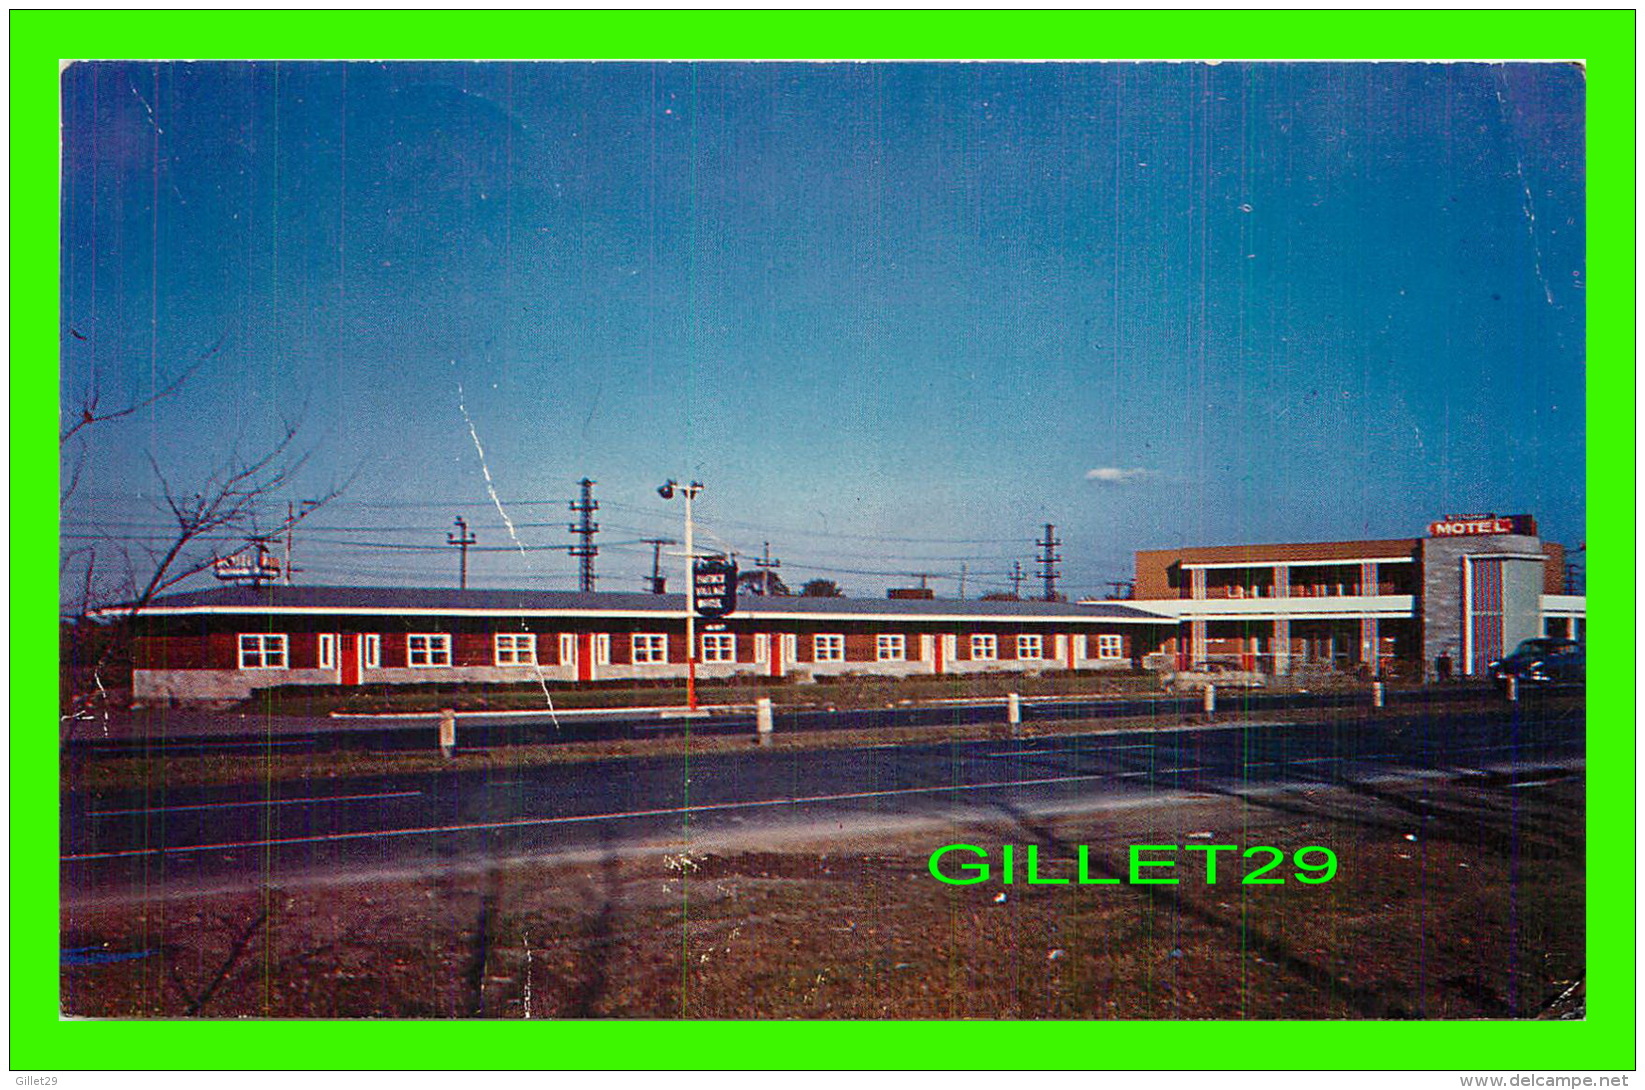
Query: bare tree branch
{"points": [[229, 504], [90, 412]]}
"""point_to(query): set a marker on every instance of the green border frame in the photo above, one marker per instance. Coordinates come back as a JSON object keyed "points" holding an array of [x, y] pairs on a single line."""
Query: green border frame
{"points": [[1604, 40]]}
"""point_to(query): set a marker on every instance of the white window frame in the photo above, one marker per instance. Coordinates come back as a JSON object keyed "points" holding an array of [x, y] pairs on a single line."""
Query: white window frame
{"points": [[834, 642], [602, 649], [326, 652], [435, 651], [890, 647], [371, 650], [264, 651], [725, 644], [762, 647], [514, 648], [1110, 646], [648, 648], [1029, 640], [568, 649], [985, 647]]}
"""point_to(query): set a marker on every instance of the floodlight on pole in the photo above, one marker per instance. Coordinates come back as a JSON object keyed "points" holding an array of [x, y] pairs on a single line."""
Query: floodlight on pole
{"points": [[689, 491]]}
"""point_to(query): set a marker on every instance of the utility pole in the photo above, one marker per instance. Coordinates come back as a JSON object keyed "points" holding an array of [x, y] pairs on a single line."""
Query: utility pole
{"points": [[462, 539], [1048, 561], [766, 565], [585, 528], [1122, 588], [962, 582], [1016, 579], [658, 581], [292, 519]]}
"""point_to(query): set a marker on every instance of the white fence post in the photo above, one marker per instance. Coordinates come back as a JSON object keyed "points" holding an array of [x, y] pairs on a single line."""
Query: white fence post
{"points": [[448, 731], [1210, 699], [763, 723], [1013, 709]]}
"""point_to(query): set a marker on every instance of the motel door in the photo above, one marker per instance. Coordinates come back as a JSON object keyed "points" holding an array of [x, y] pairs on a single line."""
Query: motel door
{"points": [[591, 649], [348, 658]]}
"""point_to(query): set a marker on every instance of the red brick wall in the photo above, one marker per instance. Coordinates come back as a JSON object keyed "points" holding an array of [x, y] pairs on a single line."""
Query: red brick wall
{"points": [[859, 647], [472, 649], [304, 649], [394, 650], [1553, 572]]}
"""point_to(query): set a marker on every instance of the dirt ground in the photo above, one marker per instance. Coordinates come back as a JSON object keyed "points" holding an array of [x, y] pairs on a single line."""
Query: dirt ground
{"points": [[1454, 899]]}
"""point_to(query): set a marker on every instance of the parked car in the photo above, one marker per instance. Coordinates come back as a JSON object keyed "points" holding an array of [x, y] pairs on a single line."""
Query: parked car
{"points": [[1544, 661]]}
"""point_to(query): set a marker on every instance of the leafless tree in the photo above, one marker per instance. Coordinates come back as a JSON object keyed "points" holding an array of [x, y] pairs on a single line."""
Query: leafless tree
{"points": [[90, 410], [231, 504]]}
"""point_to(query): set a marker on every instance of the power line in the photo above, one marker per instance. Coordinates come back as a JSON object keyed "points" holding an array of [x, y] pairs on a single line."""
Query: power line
{"points": [[791, 531]]}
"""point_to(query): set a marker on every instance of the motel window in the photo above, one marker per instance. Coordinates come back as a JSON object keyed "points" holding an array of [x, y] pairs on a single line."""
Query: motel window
{"points": [[985, 647], [602, 649], [829, 648], [568, 649], [1030, 647], [371, 651], [1110, 647], [516, 649], [428, 649], [259, 652], [719, 647], [762, 648], [328, 652], [650, 647], [890, 648]]}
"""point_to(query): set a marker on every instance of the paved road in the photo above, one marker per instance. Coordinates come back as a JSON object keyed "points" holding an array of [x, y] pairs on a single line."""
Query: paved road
{"points": [[283, 830], [182, 732]]}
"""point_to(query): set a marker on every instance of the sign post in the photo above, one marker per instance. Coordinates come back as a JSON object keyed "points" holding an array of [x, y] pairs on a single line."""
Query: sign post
{"points": [[689, 491]]}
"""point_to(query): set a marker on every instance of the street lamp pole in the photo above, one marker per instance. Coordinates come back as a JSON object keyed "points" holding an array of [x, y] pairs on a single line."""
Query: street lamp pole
{"points": [[689, 491]]}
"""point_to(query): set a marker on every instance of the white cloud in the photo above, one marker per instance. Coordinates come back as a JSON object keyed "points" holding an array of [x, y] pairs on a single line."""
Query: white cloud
{"points": [[1120, 475]]}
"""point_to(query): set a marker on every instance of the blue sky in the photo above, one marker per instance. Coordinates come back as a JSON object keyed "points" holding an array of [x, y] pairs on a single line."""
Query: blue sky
{"points": [[894, 317]]}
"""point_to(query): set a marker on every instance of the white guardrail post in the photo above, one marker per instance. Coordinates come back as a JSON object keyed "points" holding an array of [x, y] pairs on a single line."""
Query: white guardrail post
{"points": [[1379, 695], [448, 731], [1513, 687], [763, 722], [1210, 699], [1013, 709]]}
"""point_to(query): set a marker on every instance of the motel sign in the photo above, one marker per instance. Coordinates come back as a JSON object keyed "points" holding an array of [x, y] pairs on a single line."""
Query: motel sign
{"points": [[715, 587]]}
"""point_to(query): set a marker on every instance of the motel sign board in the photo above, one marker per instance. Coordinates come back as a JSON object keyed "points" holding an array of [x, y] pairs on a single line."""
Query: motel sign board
{"points": [[1480, 525], [715, 584]]}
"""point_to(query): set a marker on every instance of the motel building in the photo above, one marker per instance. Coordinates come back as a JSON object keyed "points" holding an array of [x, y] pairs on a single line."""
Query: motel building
{"points": [[1470, 590], [1473, 588], [223, 644]]}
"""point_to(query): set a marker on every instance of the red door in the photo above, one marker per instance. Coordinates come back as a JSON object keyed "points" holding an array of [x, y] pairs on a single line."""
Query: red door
{"points": [[348, 658], [585, 657]]}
